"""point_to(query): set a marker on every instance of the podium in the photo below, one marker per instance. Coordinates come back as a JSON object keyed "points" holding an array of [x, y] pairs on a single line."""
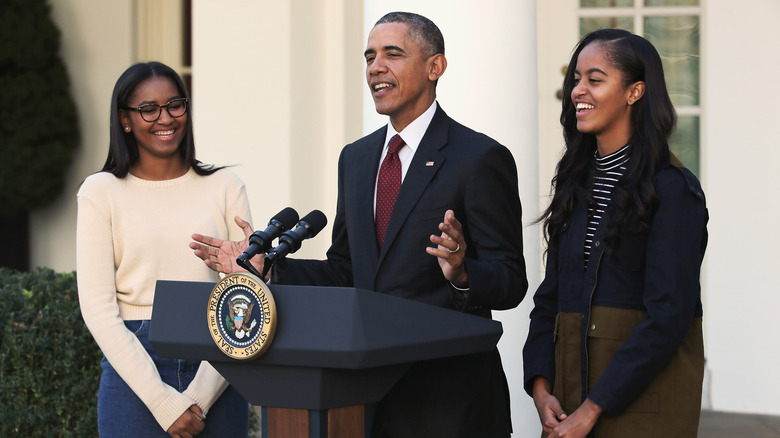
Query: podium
{"points": [[335, 351]]}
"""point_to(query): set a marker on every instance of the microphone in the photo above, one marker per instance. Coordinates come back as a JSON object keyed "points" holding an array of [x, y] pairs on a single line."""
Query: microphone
{"points": [[260, 241], [290, 241]]}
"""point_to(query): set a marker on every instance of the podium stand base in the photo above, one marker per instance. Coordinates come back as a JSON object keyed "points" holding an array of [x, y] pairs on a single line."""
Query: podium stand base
{"points": [[346, 422]]}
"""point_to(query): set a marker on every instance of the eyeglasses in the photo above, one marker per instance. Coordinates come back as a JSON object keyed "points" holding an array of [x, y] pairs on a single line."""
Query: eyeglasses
{"points": [[150, 112]]}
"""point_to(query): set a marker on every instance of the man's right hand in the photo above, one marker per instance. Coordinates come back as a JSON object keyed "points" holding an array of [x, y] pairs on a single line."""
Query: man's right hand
{"points": [[220, 255]]}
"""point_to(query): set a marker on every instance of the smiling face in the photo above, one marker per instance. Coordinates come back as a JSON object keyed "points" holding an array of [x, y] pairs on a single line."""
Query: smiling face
{"points": [[602, 101], [401, 79], [158, 140]]}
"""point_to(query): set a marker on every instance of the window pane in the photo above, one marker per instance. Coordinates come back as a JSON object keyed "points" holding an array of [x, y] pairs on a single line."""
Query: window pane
{"points": [[590, 24], [685, 142], [605, 3], [677, 41], [671, 2]]}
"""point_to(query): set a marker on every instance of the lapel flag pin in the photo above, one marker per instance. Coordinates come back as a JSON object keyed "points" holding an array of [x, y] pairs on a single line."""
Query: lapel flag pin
{"points": [[429, 164]]}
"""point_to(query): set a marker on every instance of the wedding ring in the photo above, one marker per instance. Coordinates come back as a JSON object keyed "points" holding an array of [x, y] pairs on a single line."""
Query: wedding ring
{"points": [[457, 248]]}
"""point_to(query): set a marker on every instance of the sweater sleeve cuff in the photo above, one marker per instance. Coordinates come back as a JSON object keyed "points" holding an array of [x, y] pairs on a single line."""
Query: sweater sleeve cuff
{"points": [[206, 387], [170, 409]]}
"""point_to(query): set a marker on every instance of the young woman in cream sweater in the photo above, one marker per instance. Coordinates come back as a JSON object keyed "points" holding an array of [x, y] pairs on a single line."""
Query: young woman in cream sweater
{"points": [[135, 218]]}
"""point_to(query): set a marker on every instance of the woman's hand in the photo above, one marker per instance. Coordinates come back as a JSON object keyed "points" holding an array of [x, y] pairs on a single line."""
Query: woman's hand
{"points": [[189, 424], [547, 405], [579, 423]]}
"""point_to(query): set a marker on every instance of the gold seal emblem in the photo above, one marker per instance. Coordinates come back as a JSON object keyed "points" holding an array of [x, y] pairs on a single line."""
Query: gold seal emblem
{"points": [[242, 316]]}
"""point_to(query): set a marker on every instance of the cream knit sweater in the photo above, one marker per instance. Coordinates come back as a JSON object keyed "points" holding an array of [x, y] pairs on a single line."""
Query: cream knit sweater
{"points": [[131, 233]]}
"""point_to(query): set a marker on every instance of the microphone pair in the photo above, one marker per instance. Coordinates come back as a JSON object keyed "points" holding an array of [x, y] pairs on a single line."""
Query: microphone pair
{"points": [[291, 233]]}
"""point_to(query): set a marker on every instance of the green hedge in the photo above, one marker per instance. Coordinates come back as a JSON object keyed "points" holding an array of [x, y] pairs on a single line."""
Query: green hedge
{"points": [[49, 363]]}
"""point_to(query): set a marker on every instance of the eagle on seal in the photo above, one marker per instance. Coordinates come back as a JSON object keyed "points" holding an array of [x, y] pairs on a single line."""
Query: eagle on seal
{"points": [[239, 313]]}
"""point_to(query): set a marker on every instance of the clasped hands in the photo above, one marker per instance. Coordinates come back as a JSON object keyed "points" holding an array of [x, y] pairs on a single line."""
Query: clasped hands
{"points": [[220, 255], [189, 424], [555, 421]]}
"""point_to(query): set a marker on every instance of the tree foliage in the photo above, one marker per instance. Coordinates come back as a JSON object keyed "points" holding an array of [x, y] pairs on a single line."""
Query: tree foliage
{"points": [[38, 122]]}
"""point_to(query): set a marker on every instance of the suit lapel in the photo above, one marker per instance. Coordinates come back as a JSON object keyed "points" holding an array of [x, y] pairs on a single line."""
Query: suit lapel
{"points": [[426, 163], [363, 185]]}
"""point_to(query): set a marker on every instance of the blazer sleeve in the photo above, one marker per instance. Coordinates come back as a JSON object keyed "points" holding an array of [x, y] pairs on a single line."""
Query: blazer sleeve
{"points": [[494, 232], [539, 349]]}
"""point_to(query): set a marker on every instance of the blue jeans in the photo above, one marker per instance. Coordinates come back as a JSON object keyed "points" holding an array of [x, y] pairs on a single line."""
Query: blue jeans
{"points": [[122, 414]]}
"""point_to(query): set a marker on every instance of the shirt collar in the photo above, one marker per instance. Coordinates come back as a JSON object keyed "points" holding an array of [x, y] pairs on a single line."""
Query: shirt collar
{"points": [[414, 132]]}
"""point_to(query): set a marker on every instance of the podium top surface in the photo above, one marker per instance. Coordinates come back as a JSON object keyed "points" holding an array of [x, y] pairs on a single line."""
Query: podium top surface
{"points": [[324, 327]]}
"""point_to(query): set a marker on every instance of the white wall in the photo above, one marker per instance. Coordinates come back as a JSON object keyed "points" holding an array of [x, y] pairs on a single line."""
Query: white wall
{"points": [[97, 46], [740, 160], [241, 54], [298, 64], [490, 86]]}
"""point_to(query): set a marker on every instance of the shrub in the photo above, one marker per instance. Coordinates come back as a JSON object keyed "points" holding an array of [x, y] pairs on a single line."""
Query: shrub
{"points": [[49, 363], [39, 128]]}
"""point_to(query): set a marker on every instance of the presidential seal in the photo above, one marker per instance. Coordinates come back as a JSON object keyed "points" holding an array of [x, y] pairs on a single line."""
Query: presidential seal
{"points": [[242, 316]]}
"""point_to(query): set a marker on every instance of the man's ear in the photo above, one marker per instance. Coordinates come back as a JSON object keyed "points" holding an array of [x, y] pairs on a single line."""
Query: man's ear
{"points": [[436, 66], [636, 91]]}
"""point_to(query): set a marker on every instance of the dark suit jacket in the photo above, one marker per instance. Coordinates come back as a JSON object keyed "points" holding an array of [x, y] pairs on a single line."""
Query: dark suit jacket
{"points": [[454, 168]]}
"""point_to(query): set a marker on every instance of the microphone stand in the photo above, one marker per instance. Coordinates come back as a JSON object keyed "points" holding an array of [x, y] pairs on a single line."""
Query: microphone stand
{"points": [[267, 263], [244, 263]]}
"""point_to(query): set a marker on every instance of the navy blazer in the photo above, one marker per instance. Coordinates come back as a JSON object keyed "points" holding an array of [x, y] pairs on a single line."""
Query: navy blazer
{"points": [[655, 271], [454, 168]]}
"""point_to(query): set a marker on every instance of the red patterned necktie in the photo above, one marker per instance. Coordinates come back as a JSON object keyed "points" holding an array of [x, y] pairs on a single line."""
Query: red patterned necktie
{"points": [[387, 187]]}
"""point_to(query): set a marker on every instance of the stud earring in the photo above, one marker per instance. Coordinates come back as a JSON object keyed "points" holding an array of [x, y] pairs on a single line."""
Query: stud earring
{"points": [[127, 129]]}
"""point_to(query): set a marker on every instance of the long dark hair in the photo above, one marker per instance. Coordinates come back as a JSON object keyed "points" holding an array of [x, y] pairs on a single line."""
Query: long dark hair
{"points": [[653, 119], [122, 148]]}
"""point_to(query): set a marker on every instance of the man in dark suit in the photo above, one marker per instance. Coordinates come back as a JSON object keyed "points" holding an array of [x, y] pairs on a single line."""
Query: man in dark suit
{"points": [[458, 191]]}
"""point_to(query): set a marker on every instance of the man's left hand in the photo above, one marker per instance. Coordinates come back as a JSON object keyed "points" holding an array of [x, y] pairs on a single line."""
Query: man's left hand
{"points": [[451, 250]]}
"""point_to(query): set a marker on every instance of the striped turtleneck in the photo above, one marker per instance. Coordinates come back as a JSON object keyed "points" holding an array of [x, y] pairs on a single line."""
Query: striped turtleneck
{"points": [[609, 169]]}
